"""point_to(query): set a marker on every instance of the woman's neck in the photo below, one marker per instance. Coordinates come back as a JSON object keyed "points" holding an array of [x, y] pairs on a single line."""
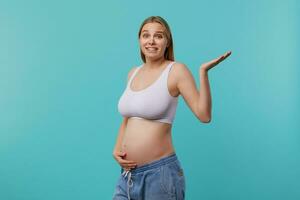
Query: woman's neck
{"points": [[153, 64]]}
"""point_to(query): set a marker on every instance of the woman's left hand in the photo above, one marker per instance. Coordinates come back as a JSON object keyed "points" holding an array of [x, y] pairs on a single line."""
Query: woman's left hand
{"points": [[207, 66]]}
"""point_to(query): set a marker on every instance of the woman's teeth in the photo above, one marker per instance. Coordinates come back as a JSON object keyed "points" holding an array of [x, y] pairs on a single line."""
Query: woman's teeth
{"points": [[151, 49]]}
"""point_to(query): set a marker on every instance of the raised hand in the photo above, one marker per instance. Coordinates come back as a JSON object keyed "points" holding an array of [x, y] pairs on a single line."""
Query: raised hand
{"points": [[207, 66]]}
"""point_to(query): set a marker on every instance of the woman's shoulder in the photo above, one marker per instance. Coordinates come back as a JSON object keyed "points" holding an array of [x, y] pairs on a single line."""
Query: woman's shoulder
{"points": [[180, 68], [131, 71], [181, 71], [179, 64]]}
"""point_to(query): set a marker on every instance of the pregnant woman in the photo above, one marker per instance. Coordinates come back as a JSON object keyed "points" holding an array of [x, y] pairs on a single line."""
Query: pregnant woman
{"points": [[150, 168]]}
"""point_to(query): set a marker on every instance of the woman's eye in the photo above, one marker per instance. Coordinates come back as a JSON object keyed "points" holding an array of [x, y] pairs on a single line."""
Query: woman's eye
{"points": [[145, 35], [156, 36]]}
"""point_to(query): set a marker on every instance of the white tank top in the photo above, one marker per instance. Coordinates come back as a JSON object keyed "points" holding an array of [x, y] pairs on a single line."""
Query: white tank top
{"points": [[152, 103]]}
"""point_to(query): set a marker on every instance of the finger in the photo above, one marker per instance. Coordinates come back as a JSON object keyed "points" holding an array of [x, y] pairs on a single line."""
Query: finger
{"points": [[227, 54], [218, 60], [131, 165], [223, 57], [128, 162], [126, 169], [119, 156], [120, 153], [121, 160]]}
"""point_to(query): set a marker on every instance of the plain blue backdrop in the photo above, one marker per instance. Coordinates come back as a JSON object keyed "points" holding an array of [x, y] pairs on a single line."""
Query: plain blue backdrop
{"points": [[63, 67]]}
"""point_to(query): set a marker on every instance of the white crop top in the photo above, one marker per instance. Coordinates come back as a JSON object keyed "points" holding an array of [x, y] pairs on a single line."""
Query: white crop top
{"points": [[152, 103]]}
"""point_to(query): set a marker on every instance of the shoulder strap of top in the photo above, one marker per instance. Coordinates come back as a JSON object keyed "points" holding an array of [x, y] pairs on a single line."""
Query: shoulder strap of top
{"points": [[167, 70], [170, 66], [133, 75], [164, 73]]}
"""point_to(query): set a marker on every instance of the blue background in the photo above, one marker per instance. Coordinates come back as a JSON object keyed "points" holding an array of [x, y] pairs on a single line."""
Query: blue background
{"points": [[63, 67]]}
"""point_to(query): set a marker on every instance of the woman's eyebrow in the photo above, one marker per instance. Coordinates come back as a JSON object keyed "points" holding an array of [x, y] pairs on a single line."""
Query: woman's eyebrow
{"points": [[155, 31]]}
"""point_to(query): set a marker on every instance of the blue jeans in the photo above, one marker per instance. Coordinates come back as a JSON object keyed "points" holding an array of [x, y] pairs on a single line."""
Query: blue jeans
{"points": [[162, 179]]}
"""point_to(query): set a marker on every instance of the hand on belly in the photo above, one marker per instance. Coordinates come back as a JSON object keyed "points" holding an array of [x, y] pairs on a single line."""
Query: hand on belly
{"points": [[145, 141], [144, 147]]}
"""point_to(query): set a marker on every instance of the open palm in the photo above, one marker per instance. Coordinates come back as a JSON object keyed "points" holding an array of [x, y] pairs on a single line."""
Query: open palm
{"points": [[207, 66]]}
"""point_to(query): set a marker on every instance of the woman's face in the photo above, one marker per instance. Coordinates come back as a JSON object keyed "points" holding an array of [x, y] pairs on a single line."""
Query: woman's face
{"points": [[153, 40]]}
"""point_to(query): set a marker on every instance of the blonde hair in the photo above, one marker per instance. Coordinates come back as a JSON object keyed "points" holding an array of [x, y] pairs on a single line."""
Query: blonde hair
{"points": [[169, 52]]}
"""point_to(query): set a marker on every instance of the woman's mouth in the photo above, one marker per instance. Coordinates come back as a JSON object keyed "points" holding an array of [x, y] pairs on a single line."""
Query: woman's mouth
{"points": [[151, 49]]}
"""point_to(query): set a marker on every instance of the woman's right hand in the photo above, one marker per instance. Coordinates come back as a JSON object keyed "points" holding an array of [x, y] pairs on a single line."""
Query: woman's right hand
{"points": [[125, 164]]}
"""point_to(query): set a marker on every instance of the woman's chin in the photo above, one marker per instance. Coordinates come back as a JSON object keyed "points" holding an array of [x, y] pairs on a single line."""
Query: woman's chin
{"points": [[153, 56]]}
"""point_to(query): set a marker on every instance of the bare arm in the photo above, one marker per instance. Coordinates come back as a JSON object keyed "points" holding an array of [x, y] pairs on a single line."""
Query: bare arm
{"points": [[204, 102], [118, 154], [199, 101], [125, 120], [118, 145]]}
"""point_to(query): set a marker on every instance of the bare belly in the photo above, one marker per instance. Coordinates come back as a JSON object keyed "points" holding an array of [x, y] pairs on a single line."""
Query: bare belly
{"points": [[145, 141]]}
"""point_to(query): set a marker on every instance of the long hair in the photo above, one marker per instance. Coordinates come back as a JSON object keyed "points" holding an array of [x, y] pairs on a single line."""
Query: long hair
{"points": [[169, 52]]}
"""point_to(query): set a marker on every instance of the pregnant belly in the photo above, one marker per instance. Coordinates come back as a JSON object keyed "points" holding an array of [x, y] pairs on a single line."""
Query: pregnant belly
{"points": [[145, 141]]}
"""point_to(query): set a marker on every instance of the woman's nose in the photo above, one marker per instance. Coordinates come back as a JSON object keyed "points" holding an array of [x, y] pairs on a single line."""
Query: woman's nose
{"points": [[151, 40]]}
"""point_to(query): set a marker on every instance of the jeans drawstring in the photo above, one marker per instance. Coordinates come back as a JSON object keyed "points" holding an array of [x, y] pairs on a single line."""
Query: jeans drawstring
{"points": [[129, 181]]}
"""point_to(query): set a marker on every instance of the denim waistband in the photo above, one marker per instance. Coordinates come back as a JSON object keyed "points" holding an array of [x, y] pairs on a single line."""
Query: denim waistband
{"points": [[154, 164]]}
